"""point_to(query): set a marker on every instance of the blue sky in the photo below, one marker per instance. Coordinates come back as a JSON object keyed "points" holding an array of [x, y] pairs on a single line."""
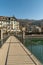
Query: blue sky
{"points": [[29, 9]]}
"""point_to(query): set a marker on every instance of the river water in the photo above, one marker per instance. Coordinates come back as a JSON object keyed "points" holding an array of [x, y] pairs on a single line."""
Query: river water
{"points": [[36, 47]]}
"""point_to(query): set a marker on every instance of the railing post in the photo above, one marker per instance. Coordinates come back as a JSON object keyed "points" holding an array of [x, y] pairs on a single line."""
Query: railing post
{"points": [[23, 35], [1, 36]]}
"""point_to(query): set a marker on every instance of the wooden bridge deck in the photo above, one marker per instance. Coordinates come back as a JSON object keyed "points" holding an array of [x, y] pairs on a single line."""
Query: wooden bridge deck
{"points": [[16, 54]]}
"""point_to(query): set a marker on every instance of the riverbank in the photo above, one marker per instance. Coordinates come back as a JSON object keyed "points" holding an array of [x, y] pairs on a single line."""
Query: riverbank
{"points": [[34, 36]]}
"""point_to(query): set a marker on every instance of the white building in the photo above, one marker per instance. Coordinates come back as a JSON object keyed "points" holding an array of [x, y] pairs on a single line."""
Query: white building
{"points": [[39, 28], [14, 25], [9, 23]]}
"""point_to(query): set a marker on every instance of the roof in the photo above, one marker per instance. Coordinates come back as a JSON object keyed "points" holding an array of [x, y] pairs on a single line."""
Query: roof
{"points": [[5, 18]]}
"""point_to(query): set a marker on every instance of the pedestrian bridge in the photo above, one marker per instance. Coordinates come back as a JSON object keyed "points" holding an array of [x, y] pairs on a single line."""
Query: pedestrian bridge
{"points": [[13, 52]]}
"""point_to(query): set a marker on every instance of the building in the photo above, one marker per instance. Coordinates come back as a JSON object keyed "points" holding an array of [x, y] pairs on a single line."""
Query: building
{"points": [[9, 24], [42, 27], [33, 28], [14, 25], [38, 29], [28, 27]]}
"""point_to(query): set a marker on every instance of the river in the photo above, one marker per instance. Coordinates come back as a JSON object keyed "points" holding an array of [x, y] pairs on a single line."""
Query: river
{"points": [[36, 47]]}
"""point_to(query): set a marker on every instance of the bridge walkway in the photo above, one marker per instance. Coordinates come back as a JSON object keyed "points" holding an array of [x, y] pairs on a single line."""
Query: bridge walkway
{"points": [[13, 52]]}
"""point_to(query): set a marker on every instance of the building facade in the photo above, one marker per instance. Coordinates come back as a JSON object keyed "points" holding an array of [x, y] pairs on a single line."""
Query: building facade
{"points": [[9, 24]]}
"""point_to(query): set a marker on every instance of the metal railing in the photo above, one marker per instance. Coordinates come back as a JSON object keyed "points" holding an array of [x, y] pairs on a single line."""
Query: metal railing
{"points": [[2, 41]]}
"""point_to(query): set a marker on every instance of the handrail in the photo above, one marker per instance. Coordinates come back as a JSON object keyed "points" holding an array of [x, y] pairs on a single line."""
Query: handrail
{"points": [[3, 40]]}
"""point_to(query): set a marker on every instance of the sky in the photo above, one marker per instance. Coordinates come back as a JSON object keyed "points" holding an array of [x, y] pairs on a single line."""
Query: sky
{"points": [[22, 9]]}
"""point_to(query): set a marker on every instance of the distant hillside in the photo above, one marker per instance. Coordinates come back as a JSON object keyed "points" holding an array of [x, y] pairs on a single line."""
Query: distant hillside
{"points": [[26, 21], [38, 22]]}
